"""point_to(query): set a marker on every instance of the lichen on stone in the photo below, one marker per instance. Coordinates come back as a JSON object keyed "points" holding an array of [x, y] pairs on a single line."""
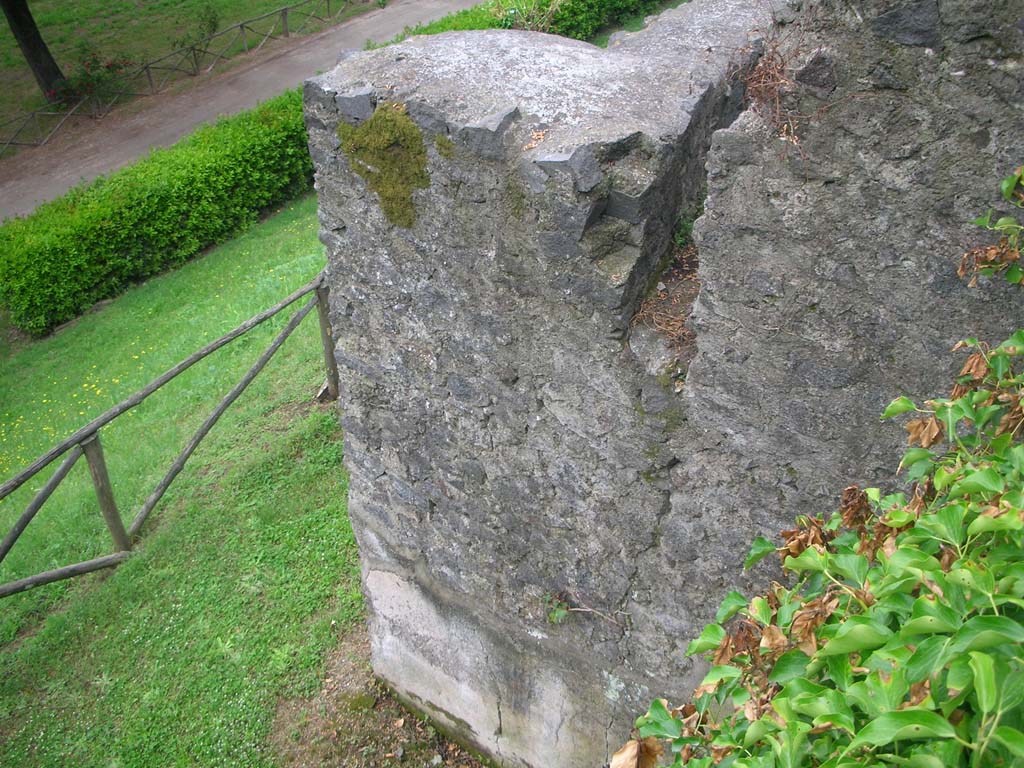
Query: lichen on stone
{"points": [[388, 151]]}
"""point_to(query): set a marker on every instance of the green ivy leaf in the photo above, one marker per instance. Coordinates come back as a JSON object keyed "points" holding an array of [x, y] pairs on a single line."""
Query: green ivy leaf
{"points": [[982, 481], [808, 560], [1015, 342], [853, 567], [719, 673], [759, 550], [731, 605], [898, 406], [711, 637], [929, 617], [944, 476], [924, 761], [875, 694], [1010, 738], [1005, 522], [758, 730], [1007, 185], [902, 725], [791, 746], [760, 610], [984, 681], [659, 723], [930, 655], [790, 665], [857, 633], [981, 632], [914, 455]]}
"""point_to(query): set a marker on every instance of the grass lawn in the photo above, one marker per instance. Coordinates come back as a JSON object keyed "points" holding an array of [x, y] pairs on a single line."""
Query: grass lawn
{"points": [[632, 24], [141, 30], [247, 571], [486, 15]]}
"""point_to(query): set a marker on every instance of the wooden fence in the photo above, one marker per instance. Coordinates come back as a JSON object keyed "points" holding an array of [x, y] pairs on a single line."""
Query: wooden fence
{"points": [[201, 57], [86, 441]]}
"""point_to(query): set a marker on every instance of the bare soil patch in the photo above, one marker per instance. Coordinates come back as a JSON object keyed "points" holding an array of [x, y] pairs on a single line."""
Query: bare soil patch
{"points": [[355, 722]]}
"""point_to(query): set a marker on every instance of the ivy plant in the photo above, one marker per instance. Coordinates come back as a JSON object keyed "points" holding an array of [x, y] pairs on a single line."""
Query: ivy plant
{"points": [[1004, 256], [901, 639]]}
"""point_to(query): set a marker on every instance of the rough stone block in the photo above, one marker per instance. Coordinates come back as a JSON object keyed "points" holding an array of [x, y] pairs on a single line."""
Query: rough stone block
{"points": [[507, 451], [511, 438]]}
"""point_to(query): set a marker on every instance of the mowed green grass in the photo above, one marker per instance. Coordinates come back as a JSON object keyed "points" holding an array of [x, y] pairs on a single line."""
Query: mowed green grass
{"points": [[247, 571], [142, 30]]}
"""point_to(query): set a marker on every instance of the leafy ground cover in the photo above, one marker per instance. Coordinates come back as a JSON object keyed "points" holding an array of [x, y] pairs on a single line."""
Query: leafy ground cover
{"points": [[139, 30]]}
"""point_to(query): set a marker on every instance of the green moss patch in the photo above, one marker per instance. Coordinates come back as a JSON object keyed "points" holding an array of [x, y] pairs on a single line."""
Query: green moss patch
{"points": [[388, 151], [445, 147]]}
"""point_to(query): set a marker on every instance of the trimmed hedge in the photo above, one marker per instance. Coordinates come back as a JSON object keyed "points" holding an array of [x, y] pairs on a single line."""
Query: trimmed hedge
{"points": [[582, 19], [99, 238], [579, 19]]}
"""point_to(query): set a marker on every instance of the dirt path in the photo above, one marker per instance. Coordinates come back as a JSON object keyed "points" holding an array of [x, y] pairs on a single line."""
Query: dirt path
{"points": [[87, 149]]}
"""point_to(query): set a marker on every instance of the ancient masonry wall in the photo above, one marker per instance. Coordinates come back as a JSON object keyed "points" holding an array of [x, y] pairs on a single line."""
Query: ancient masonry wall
{"points": [[495, 207]]}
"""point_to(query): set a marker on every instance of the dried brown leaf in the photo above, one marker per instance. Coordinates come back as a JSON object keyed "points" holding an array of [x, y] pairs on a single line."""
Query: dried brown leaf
{"points": [[773, 640], [807, 620], [718, 754], [918, 693], [925, 432], [725, 651], [889, 546], [854, 508], [947, 557], [810, 534], [1013, 418], [746, 636], [976, 367], [638, 754]]}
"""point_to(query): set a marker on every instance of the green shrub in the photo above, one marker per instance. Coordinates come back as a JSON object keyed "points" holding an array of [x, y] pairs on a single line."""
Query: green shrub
{"points": [[582, 18], [478, 17], [96, 240], [902, 642], [578, 19]]}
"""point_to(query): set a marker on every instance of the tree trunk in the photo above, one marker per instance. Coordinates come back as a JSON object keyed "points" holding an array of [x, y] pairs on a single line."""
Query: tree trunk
{"points": [[45, 69]]}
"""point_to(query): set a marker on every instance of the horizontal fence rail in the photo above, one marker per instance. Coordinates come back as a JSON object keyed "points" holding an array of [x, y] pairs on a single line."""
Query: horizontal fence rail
{"points": [[86, 441], [35, 128]]}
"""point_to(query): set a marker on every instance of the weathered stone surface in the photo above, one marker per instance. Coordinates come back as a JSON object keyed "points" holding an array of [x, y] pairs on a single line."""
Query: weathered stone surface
{"points": [[828, 273], [909, 23], [506, 449], [511, 438]]}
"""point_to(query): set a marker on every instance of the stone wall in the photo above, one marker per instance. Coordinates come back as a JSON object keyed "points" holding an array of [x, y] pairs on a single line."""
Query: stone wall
{"points": [[516, 443]]}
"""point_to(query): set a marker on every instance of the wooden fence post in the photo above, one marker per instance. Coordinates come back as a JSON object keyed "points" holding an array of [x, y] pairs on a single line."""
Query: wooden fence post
{"points": [[284, 21], [322, 295], [105, 492]]}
